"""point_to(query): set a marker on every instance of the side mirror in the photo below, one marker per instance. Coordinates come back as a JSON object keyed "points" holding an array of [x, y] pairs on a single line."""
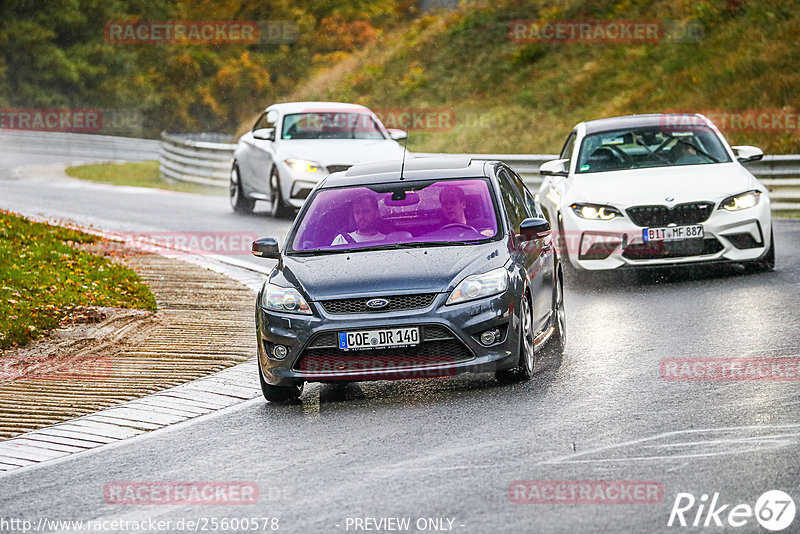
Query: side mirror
{"points": [[264, 134], [266, 247], [534, 228], [747, 153], [556, 167], [397, 135]]}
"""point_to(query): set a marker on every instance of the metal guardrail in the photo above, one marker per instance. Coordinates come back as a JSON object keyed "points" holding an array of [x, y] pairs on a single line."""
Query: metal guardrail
{"points": [[90, 146], [195, 158]]}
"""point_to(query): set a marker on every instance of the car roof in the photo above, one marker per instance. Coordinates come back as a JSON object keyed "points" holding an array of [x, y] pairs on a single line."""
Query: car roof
{"points": [[297, 107], [641, 121], [415, 169]]}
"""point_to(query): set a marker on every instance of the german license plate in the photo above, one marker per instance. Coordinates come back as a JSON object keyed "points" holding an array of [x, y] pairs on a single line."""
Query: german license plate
{"points": [[673, 233], [379, 339]]}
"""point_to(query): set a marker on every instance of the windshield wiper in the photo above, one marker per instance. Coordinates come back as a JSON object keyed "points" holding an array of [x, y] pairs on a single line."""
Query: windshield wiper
{"points": [[411, 244], [387, 246], [321, 250], [465, 242]]}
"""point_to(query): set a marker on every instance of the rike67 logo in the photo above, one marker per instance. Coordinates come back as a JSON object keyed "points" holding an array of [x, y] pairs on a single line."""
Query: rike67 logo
{"points": [[774, 510]]}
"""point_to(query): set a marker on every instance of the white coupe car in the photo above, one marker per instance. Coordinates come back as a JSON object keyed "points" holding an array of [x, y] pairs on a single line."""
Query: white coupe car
{"points": [[648, 190], [293, 145]]}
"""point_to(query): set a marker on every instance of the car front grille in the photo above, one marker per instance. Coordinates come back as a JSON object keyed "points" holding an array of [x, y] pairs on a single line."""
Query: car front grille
{"points": [[438, 346], [688, 213], [338, 168], [396, 303], [653, 250]]}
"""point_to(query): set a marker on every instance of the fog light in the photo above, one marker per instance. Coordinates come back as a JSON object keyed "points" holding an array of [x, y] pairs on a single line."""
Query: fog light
{"points": [[280, 352], [489, 337]]}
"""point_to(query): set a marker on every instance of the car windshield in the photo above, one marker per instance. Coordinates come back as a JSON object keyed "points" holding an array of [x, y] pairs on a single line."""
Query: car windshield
{"points": [[330, 125], [397, 215], [650, 147]]}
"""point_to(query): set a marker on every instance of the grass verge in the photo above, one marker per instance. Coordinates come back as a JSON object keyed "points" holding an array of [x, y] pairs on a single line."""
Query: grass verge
{"points": [[44, 279], [143, 174]]}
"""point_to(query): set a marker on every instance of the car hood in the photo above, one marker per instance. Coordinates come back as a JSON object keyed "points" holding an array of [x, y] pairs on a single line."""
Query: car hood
{"points": [[387, 272], [340, 151], [711, 182]]}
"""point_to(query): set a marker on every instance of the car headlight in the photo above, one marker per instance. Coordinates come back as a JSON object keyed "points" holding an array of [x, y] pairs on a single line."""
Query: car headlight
{"points": [[596, 212], [284, 299], [741, 201], [478, 286], [303, 165]]}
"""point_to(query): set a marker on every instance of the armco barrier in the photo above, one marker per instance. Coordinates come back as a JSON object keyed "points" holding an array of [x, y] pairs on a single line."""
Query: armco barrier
{"points": [[197, 159], [89, 146]]}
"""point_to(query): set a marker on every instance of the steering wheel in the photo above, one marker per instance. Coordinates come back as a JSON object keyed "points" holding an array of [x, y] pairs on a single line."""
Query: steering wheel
{"points": [[458, 225], [623, 156]]}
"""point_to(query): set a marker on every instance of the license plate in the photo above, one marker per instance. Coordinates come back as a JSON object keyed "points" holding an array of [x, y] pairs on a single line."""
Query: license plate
{"points": [[673, 233], [379, 339]]}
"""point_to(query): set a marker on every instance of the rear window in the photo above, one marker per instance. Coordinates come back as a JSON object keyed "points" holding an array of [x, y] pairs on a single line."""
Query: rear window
{"points": [[398, 214]]}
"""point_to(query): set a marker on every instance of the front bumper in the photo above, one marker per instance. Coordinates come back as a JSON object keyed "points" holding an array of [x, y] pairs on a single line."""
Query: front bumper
{"points": [[449, 342], [728, 236]]}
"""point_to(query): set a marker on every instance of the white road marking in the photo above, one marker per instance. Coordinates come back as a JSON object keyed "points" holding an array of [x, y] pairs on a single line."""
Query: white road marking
{"points": [[783, 436]]}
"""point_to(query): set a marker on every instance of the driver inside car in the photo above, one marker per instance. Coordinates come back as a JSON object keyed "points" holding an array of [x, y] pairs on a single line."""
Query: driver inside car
{"points": [[684, 153], [454, 204], [367, 217]]}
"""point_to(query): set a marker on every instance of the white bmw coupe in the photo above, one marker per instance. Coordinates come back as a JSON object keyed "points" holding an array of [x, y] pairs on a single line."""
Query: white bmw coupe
{"points": [[292, 146], [663, 189]]}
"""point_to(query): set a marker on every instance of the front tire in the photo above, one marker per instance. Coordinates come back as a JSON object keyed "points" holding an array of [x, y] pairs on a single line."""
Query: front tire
{"points": [[527, 359], [239, 202], [278, 208], [278, 394], [558, 340]]}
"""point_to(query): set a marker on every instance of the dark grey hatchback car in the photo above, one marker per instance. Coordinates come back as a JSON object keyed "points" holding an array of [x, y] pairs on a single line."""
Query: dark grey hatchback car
{"points": [[438, 267]]}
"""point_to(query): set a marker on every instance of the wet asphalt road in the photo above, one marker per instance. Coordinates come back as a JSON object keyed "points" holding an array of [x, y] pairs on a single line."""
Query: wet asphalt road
{"points": [[452, 448]]}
